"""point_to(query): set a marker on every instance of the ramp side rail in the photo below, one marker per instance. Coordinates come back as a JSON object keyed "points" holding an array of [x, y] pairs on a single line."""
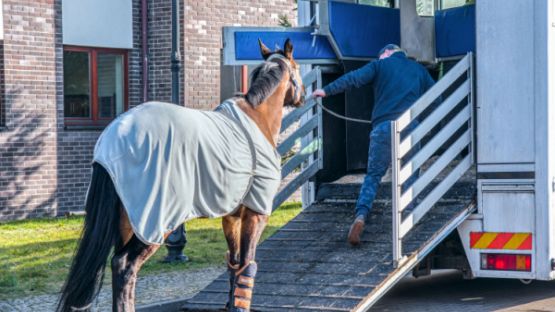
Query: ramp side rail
{"points": [[309, 156], [447, 127]]}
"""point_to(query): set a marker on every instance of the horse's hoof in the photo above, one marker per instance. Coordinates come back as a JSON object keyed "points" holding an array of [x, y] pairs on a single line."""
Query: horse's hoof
{"points": [[231, 269]]}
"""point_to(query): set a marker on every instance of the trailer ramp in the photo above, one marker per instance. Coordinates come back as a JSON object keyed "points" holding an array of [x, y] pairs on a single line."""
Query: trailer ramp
{"points": [[308, 266]]}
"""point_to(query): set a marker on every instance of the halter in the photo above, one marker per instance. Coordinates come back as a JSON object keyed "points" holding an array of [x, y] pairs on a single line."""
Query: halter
{"points": [[294, 82]]}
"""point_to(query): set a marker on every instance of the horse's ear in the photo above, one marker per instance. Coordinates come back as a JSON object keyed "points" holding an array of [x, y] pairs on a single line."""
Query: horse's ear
{"points": [[288, 49], [264, 50]]}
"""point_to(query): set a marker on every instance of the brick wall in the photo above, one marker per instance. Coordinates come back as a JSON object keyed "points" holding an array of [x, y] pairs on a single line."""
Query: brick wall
{"points": [[31, 59], [2, 85], [135, 59], [203, 40]]}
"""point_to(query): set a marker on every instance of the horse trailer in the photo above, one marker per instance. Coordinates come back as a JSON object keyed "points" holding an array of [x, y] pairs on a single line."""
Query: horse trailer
{"points": [[484, 201]]}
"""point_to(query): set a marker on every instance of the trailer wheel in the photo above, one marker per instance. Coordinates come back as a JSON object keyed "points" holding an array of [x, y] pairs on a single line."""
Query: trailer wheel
{"points": [[526, 281]]}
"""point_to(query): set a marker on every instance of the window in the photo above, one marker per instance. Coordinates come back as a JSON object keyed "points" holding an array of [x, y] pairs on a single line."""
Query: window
{"points": [[447, 4], [382, 3], [425, 7], [95, 85]]}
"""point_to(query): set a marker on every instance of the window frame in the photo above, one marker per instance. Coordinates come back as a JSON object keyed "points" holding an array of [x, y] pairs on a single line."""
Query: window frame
{"points": [[94, 119]]}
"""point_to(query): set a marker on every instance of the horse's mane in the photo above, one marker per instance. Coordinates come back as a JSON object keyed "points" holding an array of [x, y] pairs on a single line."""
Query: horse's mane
{"points": [[264, 80]]}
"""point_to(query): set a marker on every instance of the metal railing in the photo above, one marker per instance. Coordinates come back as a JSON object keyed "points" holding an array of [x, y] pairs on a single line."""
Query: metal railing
{"points": [[308, 158], [454, 118]]}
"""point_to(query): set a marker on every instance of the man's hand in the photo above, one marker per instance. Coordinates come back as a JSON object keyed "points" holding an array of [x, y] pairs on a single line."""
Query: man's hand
{"points": [[319, 93]]}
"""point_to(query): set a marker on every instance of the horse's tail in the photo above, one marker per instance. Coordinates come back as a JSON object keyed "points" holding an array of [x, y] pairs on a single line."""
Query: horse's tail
{"points": [[100, 233]]}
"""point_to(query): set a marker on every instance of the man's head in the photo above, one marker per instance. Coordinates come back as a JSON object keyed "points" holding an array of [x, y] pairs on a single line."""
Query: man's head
{"points": [[388, 50]]}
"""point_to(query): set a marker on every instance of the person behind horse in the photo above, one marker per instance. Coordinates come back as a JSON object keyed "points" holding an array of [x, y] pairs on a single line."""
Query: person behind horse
{"points": [[397, 83]]}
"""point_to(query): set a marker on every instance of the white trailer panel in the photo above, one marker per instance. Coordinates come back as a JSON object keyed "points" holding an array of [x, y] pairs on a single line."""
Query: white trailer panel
{"points": [[508, 207], [505, 88], [550, 90], [515, 131]]}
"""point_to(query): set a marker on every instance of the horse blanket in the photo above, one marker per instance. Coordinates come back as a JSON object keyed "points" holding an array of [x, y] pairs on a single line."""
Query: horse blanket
{"points": [[170, 164]]}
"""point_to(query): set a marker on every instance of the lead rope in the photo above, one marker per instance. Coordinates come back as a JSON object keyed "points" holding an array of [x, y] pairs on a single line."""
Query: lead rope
{"points": [[329, 111]]}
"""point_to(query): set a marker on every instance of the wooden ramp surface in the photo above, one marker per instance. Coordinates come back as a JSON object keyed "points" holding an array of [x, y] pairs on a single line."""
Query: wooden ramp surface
{"points": [[308, 265]]}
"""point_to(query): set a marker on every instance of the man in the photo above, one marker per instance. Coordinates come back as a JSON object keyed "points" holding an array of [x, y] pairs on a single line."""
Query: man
{"points": [[397, 83]]}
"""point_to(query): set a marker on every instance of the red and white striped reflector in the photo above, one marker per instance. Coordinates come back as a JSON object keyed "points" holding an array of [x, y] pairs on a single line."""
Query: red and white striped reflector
{"points": [[499, 240]]}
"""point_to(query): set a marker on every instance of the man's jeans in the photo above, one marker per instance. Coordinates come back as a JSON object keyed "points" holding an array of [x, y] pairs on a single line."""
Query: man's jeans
{"points": [[379, 159]]}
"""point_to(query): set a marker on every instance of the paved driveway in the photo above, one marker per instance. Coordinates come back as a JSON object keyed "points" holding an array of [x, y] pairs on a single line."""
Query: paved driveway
{"points": [[446, 291]]}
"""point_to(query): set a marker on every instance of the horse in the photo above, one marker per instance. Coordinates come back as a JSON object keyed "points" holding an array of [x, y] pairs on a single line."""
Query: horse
{"points": [[112, 224]]}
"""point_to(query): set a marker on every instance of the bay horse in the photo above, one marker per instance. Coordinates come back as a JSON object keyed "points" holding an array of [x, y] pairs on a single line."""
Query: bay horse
{"points": [[123, 176]]}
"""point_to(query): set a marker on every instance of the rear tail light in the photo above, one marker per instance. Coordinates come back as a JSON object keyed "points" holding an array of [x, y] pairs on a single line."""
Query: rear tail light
{"points": [[506, 262]]}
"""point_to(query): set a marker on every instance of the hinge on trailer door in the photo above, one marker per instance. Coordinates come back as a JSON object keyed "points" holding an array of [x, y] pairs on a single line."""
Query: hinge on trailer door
{"points": [[553, 185]]}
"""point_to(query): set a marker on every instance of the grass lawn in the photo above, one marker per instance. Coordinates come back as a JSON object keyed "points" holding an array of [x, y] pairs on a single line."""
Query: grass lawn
{"points": [[35, 254]]}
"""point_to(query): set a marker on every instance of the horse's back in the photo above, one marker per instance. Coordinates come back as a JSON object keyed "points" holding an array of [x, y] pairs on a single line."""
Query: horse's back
{"points": [[170, 164]]}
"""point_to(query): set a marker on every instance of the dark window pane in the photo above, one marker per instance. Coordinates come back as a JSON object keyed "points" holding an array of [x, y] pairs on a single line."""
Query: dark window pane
{"points": [[77, 101], [110, 85]]}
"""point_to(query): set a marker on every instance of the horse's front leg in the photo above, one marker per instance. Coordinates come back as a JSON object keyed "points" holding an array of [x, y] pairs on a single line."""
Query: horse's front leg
{"points": [[231, 225], [252, 225]]}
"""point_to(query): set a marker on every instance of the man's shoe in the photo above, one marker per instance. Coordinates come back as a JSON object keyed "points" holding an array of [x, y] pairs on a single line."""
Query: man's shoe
{"points": [[356, 229]]}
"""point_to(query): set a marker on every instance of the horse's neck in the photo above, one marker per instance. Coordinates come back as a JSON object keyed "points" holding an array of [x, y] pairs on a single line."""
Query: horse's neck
{"points": [[273, 114], [267, 117]]}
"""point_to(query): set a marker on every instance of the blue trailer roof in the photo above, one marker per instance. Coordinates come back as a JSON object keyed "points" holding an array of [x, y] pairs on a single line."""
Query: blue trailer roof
{"points": [[246, 44], [362, 30], [455, 31], [358, 31]]}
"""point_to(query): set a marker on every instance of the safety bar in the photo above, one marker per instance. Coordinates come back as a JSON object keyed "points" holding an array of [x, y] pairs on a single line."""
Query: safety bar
{"points": [[403, 168], [309, 157]]}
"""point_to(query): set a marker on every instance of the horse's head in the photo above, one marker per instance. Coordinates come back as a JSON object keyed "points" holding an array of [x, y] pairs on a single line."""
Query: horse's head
{"points": [[295, 93]]}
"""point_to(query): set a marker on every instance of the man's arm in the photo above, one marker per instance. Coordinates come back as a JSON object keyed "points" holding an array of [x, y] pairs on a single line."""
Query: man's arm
{"points": [[355, 78]]}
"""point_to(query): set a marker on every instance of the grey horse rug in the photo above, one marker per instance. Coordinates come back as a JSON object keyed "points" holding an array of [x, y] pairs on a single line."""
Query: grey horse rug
{"points": [[170, 164]]}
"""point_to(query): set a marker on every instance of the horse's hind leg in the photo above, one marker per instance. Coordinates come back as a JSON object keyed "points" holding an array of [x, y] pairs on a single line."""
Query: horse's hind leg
{"points": [[126, 263], [231, 225], [252, 225]]}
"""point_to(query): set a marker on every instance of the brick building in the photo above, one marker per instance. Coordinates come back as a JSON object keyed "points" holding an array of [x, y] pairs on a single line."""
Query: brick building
{"points": [[68, 67]]}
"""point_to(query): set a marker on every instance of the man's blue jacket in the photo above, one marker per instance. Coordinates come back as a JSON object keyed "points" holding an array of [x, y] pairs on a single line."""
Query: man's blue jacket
{"points": [[397, 82]]}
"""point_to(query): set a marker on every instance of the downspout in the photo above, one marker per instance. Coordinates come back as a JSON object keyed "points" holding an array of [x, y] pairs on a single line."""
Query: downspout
{"points": [[144, 44], [244, 79]]}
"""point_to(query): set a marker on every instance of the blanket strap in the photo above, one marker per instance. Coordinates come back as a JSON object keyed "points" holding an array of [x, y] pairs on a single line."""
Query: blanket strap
{"points": [[235, 117]]}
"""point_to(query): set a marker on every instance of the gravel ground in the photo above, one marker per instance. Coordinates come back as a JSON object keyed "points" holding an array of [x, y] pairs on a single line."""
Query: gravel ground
{"points": [[150, 289]]}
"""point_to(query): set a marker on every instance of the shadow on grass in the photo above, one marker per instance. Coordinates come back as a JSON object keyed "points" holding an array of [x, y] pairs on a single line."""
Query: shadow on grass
{"points": [[38, 268], [34, 268]]}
